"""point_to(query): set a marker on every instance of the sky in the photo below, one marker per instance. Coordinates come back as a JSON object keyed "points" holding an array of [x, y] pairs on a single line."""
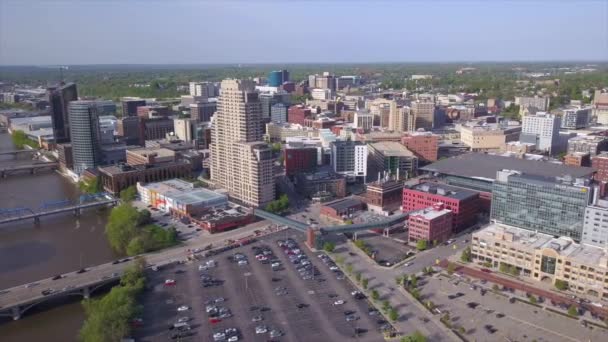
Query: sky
{"points": [[51, 32]]}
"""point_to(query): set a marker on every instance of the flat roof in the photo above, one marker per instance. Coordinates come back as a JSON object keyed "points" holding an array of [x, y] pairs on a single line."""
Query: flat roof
{"points": [[430, 213], [147, 151], [481, 165], [444, 190], [392, 149], [343, 203]]}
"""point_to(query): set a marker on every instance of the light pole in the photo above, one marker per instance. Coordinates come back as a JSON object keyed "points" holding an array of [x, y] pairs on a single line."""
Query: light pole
{"points": [[246, 275]]}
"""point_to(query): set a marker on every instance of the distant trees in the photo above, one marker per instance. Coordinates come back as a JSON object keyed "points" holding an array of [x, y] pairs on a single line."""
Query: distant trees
{"points": [[20, 139]]}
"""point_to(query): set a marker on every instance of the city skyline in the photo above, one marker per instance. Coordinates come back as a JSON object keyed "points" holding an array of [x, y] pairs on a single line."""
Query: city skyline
{"points": [[327, 32]]}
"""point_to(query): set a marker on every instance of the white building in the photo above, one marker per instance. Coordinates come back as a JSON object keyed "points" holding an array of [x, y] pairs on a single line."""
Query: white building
{"points": [[595, 226], [321, 94], [185, 129], [541, 129], [576, 117], [532, 104], [349, 158], [202, 89], [363, 120]]}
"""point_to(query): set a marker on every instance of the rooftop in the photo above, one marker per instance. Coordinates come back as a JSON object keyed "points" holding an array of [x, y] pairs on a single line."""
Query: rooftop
{"points": [[185, 192], [392, 149], [343, 203], [564, 246], [158, 152], [444, 190], [430, 213], [485, 166]]}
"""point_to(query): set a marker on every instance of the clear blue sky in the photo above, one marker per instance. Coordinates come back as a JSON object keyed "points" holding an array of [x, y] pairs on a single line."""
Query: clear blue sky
{"points": [[173, 31]]}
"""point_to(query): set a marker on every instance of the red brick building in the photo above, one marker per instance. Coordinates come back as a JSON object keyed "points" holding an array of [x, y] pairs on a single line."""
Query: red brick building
{"points": [[578, 159], [424, 144], [430, 224], [299, 159], [600, 163], [384, 196], [342, 208], [464, 204], [297, 114]]}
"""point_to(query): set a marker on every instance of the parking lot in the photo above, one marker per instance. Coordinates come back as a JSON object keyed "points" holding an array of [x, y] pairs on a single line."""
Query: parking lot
{"points": [[387, 250], [249, 298], [491, 317]]}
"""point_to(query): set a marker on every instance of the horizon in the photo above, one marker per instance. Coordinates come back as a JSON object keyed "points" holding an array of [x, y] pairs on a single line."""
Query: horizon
{"points": [[35, 32]]}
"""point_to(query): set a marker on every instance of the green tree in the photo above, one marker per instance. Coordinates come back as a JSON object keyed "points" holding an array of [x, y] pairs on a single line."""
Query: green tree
{"points": [[349, 221], [451, 267], [129, 194], [421, 245], [430, 305], [364, 283], [358, 277], [413, 281], [349, 269], [495, 288], [415, 293], [416, 336], [92, 186], [533, 299], [20, 140], [466, 255], [136, 246], [572, 311], [329, 247], [393, 315], [386, 305], [561, 285], [504, 268], [375, 295], [399, 280]]}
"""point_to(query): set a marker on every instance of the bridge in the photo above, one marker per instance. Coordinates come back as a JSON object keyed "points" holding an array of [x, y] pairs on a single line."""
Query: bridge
{"points": [[31, 168], [56, 207], [18, 152], [16, 301]]}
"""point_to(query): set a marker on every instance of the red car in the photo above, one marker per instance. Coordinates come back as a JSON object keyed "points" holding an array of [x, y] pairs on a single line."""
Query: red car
{"points": [[214, 320], [169, 282], [486, 270]]}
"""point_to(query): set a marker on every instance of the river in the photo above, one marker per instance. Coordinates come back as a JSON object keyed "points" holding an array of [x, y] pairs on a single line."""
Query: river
{"points": [[59, 244]]}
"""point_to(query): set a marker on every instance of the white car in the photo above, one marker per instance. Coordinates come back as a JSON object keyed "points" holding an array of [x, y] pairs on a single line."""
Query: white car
{"points": [[339, 302], [407, 264], [183, 308], [233, 338], [183, 319], [261, 329], [220, 336], [243, 263]]}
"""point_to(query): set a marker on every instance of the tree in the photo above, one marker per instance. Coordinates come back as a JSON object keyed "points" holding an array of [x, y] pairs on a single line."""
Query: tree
{"points": [[421, 244], [416, 336], [399, 280], [129, 194], [415, 293], [413, 281], [386, 305], [329, 247], [20, 139], [92, 186], [533, 299], [451, 267], [364, 283], [504, 268], [339, 260], [358, 277], [393, 315], [466, 255], [495, 288], [572, 311], [349, 268], [561, 285], [375, 295], [430, 305], [349, 221]]}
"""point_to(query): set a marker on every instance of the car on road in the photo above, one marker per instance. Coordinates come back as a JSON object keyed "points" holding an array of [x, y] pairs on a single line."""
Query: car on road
{"points": [[276, 333], [219, 336], [348, 312], [486, 270], [47, 292], [170, 282], [351, 318], [257, 318], [82, 270], [183, 308], [339, 302], [183, 319]]}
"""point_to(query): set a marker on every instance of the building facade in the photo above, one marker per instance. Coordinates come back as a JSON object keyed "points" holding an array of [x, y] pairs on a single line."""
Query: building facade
{"points": [[542, 129], [298, 114], [240, 161], [576, 117], [84, 133], [433, 224], [278, 113], [595, 226], [591, 144], [349, 158], [384, 197], [278, 77], [548, 205], [464, 204], [424, 144], [424, 114], [393, 158], [59, 99], [129, 106]]}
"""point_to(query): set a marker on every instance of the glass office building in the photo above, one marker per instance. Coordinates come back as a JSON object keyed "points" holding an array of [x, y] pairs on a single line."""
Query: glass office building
{"points": [[554, 206], [84, 132]]}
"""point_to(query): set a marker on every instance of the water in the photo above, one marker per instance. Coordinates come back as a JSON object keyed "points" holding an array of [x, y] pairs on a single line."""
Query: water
{"points": [[59, 244]]}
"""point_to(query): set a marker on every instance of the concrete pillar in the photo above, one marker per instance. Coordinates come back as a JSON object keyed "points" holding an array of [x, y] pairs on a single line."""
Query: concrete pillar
{"points": [[86, 293], [355, 236], [310, 237], [16, 313], [77, 212]]}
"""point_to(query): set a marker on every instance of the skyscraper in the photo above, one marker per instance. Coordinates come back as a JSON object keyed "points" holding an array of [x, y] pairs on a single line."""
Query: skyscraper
{"points": [[278, 77], [424, 114], [130, 104], [59, 98], [240, 161], [84, 131]]}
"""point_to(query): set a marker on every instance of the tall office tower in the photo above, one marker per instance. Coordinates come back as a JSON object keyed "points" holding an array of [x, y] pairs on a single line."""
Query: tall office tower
{"points": [[84, 131], [130, 104], [185, 129], [278, 77], [424, 114], [240, 161], [554, 206], [541, 129], [349, 158], [59, 98]]}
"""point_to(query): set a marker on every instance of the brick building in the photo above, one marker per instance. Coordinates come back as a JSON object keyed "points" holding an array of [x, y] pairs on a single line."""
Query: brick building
{"points": [[297, 114], [384, 196], [321, 185], [463, 203], [299, 159], [578, 159], [115, 178], [600, 163], [430, 224], [424, 144], [340, 208]]}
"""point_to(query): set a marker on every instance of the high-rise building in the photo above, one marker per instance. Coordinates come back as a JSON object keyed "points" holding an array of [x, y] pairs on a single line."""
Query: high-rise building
{"points": [[278, 113], [278, 77], [592, 144], [129, 129], [203, 110], [575, 117], [240, 161], [59, 99], [393, 158], [553, 206], [349, 158], [363, 120], [130, 104], [531, 105], [600, 163], [595, 226], [84, 132], [424, 114], [202, 89], [541, 129], [600, 106], [268, 100], [185, 129]]}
